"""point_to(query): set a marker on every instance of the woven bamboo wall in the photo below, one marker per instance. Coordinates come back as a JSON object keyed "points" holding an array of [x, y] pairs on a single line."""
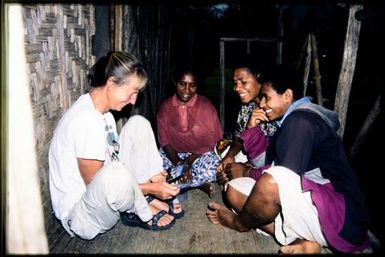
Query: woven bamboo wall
{"points": [[58, 50]]}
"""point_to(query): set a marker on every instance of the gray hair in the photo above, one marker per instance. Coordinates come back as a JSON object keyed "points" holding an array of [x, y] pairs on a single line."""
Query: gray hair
{"points": [[118, 65]]}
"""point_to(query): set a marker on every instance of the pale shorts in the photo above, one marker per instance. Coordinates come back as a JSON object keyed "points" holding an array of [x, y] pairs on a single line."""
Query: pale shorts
{"points": [[298, 218], [112, 190]]}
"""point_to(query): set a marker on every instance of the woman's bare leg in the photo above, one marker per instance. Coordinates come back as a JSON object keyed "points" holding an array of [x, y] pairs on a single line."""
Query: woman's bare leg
{"points": [[259, 210], [235, 198], [237, 201]]}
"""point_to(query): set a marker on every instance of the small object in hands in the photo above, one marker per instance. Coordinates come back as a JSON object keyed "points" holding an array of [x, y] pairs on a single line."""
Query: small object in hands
{"points": [[177, 172], [222, 147], [185, 186]]}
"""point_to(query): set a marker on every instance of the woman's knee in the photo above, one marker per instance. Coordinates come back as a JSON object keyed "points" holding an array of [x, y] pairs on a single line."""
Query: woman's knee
{"points": [[114, 177], [119, 187], [267, 185], [136, 128], [265, 197], [235, 198], [138, 120]]}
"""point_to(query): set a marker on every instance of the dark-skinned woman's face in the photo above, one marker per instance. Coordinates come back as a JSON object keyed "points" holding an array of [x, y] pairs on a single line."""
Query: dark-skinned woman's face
{"points": [[186, 87], [246, 85]]}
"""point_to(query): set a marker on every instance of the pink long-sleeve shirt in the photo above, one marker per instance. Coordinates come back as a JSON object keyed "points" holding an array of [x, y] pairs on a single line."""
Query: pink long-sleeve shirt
{"points": [[194, 127]]}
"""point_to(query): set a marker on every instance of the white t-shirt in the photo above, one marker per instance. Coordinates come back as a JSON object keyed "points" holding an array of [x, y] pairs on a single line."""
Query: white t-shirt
{"points": [[83, 132]]}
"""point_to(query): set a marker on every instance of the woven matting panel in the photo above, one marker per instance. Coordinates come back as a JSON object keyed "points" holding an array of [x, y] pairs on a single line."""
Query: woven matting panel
{"points": [[58, 51]]}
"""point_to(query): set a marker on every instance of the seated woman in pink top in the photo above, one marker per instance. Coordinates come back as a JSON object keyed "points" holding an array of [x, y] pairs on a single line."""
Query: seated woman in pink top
{"points": [[188, 128]]}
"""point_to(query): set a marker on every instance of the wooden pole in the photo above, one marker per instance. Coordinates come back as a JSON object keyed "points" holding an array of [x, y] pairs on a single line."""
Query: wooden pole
{"points": [[118, 35], [347, 67], [317, 75], [375, 111], [307, 65], [301, 54], [280, 36], [118, 27], [223, 87], [24, 223]]}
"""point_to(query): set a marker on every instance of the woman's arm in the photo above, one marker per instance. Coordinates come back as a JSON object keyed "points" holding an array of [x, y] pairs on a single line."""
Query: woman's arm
{"points": [[88, 168], [234, 149]]}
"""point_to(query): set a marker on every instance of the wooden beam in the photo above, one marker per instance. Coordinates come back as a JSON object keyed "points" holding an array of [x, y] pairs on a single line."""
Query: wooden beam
{"points": [[372, 116], [280, 35], [118, 27], [223, 87], [347, 67], [317, 75], [24, 222], [307, 65]]}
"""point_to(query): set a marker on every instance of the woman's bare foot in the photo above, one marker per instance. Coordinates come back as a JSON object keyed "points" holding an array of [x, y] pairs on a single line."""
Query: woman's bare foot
{"points": [[301, 246], [208, 188], [219, 214]]}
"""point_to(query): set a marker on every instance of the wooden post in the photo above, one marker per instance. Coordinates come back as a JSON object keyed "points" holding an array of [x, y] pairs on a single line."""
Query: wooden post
{"points": [[302, 53], [307, 65], [118, 27], [375, 111], [280, 36], [24, 223], [118, 35], [317, 75], [223, 87], [347, 67]]}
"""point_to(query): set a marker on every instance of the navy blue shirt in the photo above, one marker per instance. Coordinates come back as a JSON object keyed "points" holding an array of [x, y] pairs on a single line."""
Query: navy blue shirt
{"points": [[304, 142]]}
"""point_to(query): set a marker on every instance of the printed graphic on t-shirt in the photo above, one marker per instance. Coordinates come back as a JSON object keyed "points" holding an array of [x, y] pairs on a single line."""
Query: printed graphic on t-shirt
{"points": [[112, 143]]}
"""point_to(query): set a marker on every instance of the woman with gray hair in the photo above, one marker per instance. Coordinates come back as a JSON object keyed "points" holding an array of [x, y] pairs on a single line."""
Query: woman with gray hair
{"points": [[94, 176]]}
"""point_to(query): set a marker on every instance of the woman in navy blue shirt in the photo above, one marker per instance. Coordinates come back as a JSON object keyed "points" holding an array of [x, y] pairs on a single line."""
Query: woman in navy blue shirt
{"points": [[310, 197]]}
